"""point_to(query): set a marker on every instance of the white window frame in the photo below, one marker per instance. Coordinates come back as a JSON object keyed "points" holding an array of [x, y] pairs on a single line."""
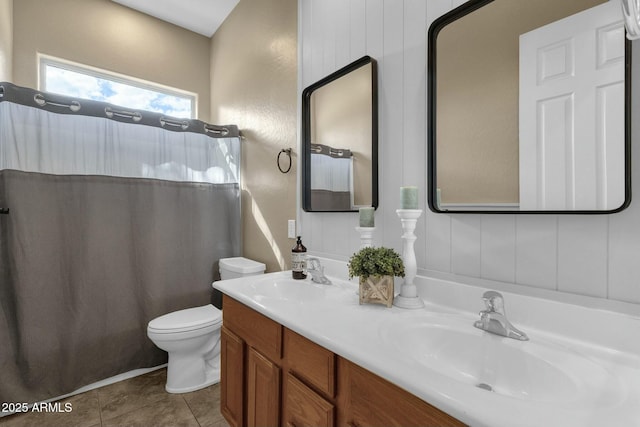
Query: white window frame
{"points": [[47, 60]]}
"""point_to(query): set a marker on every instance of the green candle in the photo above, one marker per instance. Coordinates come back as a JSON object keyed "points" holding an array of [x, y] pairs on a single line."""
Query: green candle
{"points": [[408, 197], [366, 217]]}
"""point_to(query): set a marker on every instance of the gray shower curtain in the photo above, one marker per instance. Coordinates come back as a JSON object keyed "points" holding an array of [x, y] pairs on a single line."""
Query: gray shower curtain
{"points": [[87, 260]]}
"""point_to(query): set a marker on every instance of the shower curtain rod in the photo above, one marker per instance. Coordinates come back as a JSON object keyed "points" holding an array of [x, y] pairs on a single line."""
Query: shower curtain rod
{"points": [[338, 153], [67, 105]]}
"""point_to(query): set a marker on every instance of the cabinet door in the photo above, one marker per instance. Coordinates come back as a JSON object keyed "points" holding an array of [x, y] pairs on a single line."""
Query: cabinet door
{"points": [[303, 407], [368, 400], [263, 391], [231, 377]]}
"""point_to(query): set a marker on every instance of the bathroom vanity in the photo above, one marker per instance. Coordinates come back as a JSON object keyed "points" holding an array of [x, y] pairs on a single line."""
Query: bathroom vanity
{"points": [[273, 376], [298, 353]]}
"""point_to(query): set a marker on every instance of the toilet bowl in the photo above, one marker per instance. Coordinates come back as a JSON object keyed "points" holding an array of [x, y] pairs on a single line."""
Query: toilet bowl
{"points": [[192, 339], [192, 336]]}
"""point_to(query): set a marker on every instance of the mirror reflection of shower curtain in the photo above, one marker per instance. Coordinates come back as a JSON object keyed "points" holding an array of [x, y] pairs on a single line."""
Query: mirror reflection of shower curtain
{"points": [[111, 224], [331, 182]]}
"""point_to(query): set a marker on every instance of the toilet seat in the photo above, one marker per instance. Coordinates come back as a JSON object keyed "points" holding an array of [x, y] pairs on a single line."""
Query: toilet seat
{"points": [[186, 320]]}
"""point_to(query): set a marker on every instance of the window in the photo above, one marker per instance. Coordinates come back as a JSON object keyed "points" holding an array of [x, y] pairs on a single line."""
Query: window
{"points": [[66, 78]]}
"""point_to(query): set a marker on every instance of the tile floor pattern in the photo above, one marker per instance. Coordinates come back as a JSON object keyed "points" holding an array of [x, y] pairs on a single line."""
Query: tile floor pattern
{"points": [[136, 402]]}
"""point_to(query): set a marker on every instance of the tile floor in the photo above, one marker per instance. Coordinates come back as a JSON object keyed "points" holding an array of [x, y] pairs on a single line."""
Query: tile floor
{"points": [[140, 401]]}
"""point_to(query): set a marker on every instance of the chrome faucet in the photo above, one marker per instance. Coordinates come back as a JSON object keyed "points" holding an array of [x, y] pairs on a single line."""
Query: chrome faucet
{"points": [[494, 319], [317, 271]]}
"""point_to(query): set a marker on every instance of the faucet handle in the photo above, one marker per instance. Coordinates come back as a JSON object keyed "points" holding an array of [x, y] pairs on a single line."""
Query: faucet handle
{"points": [[493, 301], [313, 263]]}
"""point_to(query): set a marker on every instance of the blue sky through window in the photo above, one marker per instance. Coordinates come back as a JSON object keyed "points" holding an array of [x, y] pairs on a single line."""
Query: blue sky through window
{"points": [[81, 85]]}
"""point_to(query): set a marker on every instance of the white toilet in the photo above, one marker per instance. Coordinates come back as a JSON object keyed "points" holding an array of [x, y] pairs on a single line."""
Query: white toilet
{"points": [[192, 336]]}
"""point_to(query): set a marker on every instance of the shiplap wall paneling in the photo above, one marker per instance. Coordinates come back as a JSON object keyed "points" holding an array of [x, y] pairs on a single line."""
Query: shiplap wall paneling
{"points": [[437, 226], [466, 232], [624, 254], [591, 255], [583, 255], [438, 241], [391, 104], [414, 108], [498, 248], [537, 251]]}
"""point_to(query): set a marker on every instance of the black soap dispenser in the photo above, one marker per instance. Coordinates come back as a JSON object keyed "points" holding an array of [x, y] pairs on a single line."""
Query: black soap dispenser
{"points": [[299, 260]]}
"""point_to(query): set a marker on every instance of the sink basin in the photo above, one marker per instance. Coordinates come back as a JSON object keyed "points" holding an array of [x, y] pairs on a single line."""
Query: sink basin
{"points": [[292, 291], [532, 370]]}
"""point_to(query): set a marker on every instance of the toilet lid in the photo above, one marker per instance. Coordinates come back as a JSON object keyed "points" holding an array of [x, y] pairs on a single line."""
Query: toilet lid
{"points": [[188, 319], [242, 265]]}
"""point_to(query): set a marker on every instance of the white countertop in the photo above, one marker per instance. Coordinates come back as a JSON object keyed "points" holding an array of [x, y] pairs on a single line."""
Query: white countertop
{"points": [[370, 336]]}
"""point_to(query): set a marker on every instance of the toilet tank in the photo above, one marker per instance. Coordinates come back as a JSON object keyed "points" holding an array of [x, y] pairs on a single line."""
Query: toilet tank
{"points": [[231, 268]]}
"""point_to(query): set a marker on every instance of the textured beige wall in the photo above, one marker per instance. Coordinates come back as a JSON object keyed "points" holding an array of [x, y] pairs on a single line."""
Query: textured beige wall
{"points": [[478, 89], [106, 35], [6, 40], [253, 85]]}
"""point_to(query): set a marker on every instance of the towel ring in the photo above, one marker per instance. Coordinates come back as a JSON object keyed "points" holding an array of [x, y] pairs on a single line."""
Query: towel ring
{"points": [[288, 152]]}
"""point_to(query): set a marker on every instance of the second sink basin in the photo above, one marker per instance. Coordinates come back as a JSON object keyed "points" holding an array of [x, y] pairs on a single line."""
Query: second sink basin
{"points": [[532, 370]]}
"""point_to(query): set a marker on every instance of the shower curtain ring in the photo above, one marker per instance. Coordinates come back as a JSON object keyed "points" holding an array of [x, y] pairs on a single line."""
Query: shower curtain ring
{"points": [[288, 152]]}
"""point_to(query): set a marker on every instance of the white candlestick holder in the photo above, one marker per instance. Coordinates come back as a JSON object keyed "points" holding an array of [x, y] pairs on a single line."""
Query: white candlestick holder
{"points": [[408, 296], [366, 236]]}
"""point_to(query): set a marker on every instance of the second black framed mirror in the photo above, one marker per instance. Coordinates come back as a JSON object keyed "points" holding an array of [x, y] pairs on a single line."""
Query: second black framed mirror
{"points": [[529, 108]]}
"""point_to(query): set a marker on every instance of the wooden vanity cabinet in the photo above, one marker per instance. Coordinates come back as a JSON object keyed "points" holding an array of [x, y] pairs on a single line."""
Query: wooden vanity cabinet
{"points": [[273, 376], [250, 360]]}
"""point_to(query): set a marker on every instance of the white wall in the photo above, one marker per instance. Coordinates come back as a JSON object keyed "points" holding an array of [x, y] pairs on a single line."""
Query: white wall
{"points": [[594, 255]]}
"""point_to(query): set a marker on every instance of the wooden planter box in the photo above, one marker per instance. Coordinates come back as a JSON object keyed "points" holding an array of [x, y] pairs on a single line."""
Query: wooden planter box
{"points": [[376, 290]]}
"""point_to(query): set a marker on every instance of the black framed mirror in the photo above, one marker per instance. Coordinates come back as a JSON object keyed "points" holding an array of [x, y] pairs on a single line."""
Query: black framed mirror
{"points": [[529, 108], [340, 140]]}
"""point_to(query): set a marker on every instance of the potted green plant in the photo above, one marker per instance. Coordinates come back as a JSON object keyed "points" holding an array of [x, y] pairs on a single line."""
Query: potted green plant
{"points": [[376, 268]]}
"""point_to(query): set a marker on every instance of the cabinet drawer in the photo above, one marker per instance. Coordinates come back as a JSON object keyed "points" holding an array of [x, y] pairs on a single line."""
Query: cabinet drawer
{"points": [[258, 331], [304, 407], [311, 362], [368, 400]]}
